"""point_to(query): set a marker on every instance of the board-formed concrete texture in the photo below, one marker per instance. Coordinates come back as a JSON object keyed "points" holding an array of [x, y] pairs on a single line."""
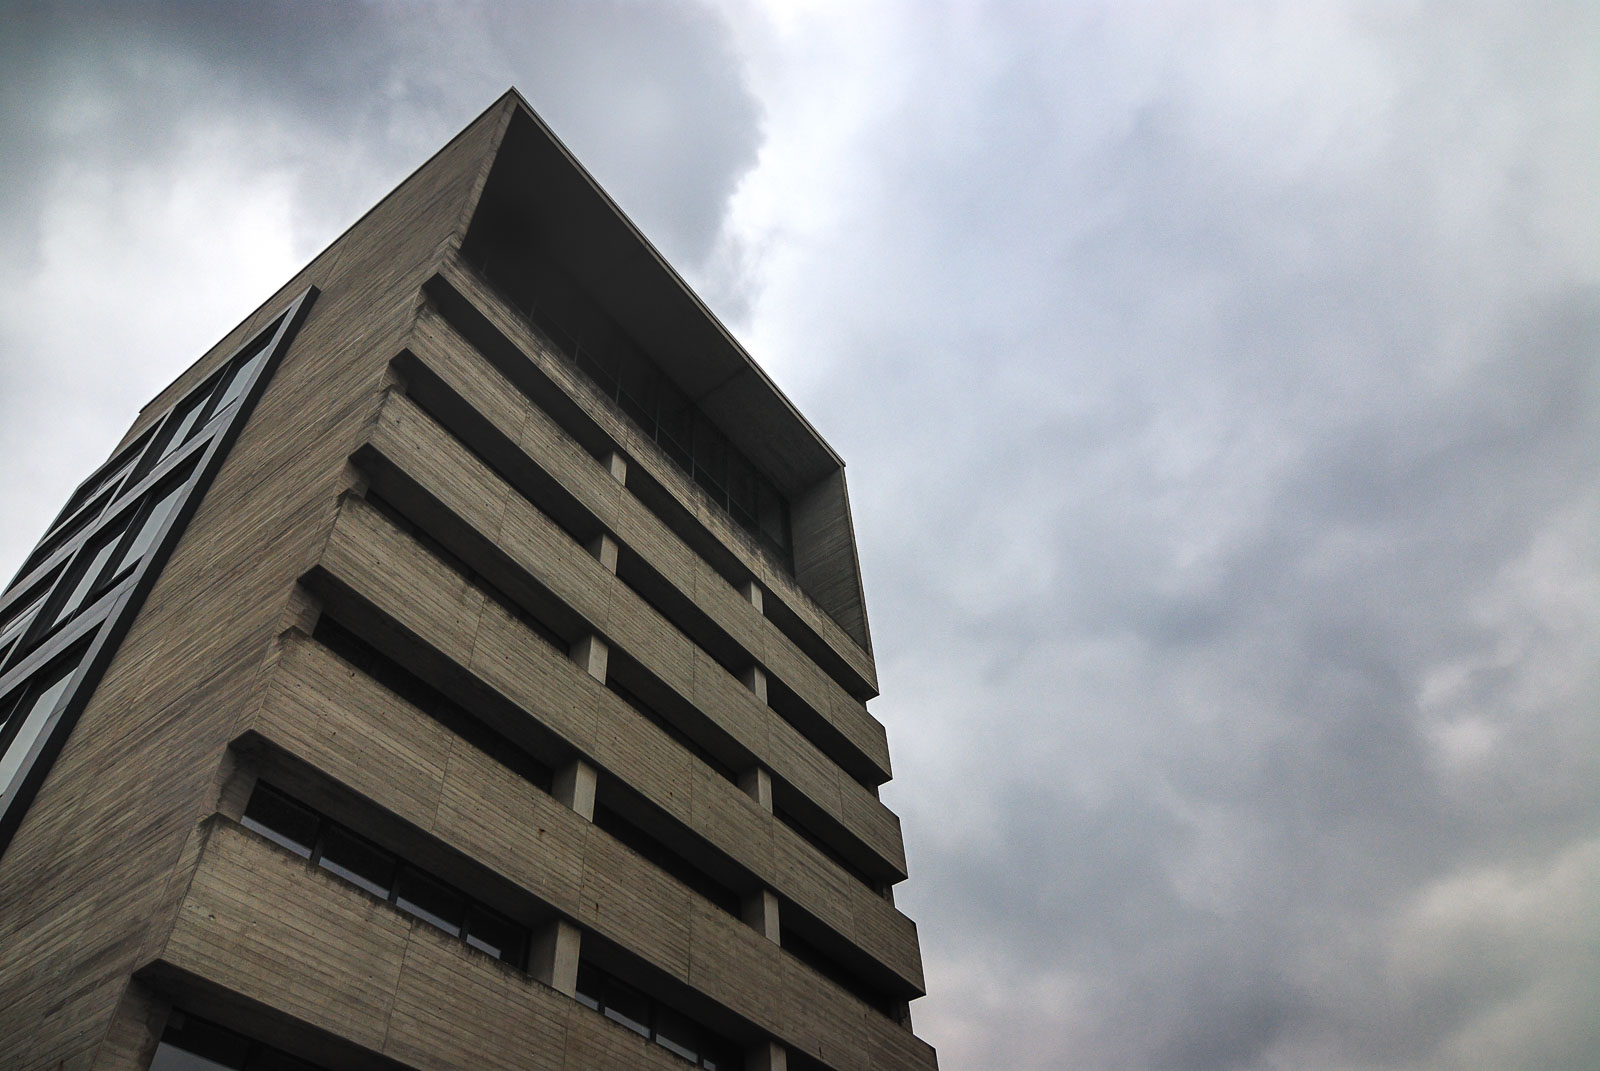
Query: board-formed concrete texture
{"points": [[462, 665]]}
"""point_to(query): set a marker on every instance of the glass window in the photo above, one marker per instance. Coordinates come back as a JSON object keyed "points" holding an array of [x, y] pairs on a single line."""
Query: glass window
{"points": [[180, 425], [282, 820], [113, 471], [430, 901], [93, 558], [191, 1044], [710, 463], [28, 717], [74, 524], [357, 861], [628, 1006], [150, 526], [494, 934], [17, 619], [590, 984], [675, 1032]]}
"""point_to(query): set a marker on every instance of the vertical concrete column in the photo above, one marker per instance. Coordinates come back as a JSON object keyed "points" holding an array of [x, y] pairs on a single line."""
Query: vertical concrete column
{"points": [[574, 785], [760, 912], [756, 783], [592, 653], [604, 548], [752, 594], [755, 679], [767, 1056], [616, 464], [554, 957]]}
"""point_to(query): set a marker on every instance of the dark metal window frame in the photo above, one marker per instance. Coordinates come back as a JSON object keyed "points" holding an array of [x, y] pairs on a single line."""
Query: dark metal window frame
{"points": [[128, 481], [473, 911], [596, 988]]}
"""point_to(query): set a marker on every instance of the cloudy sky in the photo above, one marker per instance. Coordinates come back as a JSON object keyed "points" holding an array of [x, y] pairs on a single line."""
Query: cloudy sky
{"points": [[1220, 385]]}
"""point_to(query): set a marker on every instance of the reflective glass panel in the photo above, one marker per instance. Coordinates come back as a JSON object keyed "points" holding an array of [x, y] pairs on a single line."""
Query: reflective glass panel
{"points": [[88, 576], [181, 426], [149, 527], [17, 619], [239, 380], [32, 716]]}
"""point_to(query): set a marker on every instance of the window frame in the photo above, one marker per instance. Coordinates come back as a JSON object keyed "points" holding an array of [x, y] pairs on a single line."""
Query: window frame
{"points": [[131, 484]]}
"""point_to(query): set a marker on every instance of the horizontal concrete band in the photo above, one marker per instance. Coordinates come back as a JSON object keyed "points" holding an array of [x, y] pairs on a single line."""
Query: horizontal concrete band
{"points": [[258, 924], [505, 526], [440, 359], [462, 284], [359, 734], [558, 859]]}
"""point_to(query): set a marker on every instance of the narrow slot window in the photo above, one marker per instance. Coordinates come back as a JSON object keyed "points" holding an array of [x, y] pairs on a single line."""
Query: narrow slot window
{"points": [[494, 934], [282, 821], [626, 1005], [357, 861], [431, 901]]}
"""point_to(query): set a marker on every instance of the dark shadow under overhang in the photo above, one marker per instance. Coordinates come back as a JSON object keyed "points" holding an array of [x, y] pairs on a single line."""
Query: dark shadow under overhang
{"points": [[538, 197]]}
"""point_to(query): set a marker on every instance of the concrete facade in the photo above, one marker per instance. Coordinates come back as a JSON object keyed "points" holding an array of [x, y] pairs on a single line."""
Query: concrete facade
{"points": [[434, 587]]}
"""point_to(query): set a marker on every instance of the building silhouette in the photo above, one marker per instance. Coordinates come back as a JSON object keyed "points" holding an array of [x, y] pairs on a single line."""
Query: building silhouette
{"points": [[462, 665]]}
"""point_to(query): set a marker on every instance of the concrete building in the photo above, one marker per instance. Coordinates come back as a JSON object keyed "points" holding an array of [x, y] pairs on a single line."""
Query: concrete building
{"points": [[462, 665]]}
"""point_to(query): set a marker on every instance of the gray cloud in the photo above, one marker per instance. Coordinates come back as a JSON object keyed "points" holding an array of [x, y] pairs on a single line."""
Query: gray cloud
{"points": [[1223, 407]]}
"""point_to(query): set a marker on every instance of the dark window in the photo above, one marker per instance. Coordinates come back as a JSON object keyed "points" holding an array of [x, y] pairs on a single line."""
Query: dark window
{"points": [[834, 971], [71, 527], [430, 901], [626, 1005], [282, 820], [348, 855], [675, 1032], [414, 690], [179, 427], [657, 852], [191, 1044], [111, 472], [357, 861], [649, 1018]]}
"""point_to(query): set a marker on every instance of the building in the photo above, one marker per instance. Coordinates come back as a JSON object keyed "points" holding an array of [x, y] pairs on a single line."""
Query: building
{"points": [[461, 665]]}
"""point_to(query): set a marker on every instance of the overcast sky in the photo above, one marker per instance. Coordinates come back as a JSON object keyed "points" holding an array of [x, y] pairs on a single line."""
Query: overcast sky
{"points": [[1220, 387]]}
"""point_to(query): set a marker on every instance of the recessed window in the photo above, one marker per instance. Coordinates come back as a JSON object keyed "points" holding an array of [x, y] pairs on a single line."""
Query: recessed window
{"points": [[282, 820], [649, 1018], [431, 901], [357, 861], [350, 856], [494, 934], [190, 1044]]}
